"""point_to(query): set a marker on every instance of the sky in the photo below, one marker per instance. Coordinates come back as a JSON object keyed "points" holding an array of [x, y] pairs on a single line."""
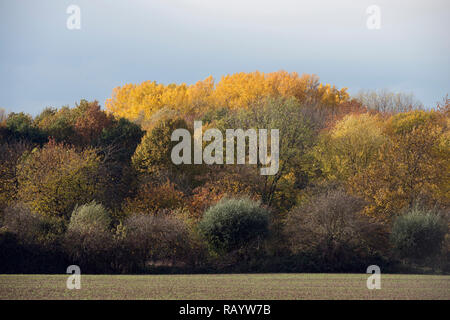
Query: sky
{"points": [[43, 63]]}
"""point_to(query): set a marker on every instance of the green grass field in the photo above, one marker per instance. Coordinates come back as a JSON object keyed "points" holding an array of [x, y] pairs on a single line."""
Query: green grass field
{"points": [[234, 286]]}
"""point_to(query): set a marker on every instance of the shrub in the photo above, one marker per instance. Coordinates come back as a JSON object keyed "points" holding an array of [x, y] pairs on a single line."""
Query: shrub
{"points": [[90, 216], [234, 224], [146, 239], [89, 241], [331, 230], [30, 243], [31, 228], [223, 183], [92, 250], [418, 234]]}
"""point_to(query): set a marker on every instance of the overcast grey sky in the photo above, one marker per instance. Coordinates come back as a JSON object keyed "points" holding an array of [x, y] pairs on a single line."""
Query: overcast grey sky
{"points": [[42, 63]]}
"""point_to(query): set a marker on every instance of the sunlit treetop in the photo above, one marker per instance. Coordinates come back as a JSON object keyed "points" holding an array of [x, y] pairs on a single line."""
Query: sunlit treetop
{"points": [[150, 101]]}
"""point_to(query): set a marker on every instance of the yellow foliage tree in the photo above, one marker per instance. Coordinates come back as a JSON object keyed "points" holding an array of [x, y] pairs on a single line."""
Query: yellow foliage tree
{"points": [[149, 101], [350, 146], [412, 165]]}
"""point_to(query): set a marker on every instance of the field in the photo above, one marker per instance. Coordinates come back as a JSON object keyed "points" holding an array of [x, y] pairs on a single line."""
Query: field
{"points": [[229, 286]]}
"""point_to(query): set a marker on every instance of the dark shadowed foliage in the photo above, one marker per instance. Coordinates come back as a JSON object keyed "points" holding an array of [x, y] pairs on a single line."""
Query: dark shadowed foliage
{"points": [[418, 234], [30, 243], [331, 231]]}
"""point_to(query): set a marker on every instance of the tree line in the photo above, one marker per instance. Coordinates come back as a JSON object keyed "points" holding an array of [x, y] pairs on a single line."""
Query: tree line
{"points": [[362, 180]]}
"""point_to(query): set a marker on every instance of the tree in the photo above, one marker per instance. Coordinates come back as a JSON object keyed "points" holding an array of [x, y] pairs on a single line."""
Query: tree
{"points": [[91, 122], [58, 124], [149, 102], [296, 136], [116, 145], [389, 102], [10, 155], [200, 99], [242, 90], [20, 126], [118, 141], [81, 126], [350, 146], [152, 158], [141, 102], [154, 152], [55, 178], [155, 199], [412, 165]]}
